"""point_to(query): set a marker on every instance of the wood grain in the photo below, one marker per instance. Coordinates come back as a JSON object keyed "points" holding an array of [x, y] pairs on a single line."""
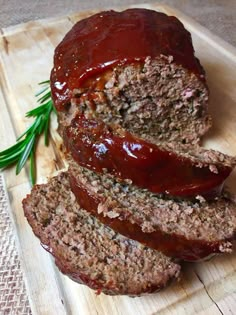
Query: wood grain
{"points": [[26, 53]]}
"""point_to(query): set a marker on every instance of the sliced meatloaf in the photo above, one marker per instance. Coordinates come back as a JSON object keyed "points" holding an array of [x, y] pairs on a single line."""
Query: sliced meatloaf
{"points": [[135, 68], [177, 170], [89, 252], [189, 230]]}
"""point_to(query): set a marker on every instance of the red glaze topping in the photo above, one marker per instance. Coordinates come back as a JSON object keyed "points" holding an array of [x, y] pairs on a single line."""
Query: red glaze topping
{"points": [[97, 146], [111, 38], [170, 244]]}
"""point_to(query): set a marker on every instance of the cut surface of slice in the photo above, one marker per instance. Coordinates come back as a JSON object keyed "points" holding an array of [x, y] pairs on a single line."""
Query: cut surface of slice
{"points": [[88, 251], [186, 229]]}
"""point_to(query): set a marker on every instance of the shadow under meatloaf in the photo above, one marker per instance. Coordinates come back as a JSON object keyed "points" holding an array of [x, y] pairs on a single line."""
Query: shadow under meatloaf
{"points": [[90, 252], [158, 99], [189, 230]]}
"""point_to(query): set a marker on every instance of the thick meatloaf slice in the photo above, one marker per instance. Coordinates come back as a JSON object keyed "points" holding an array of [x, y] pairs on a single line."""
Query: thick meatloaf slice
{"points": [[88, 251], [178, 170], [186, 229], [135, 68]]}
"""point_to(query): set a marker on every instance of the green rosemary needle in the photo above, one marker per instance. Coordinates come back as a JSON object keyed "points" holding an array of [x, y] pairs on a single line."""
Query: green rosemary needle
{"points": [[24, 148]]}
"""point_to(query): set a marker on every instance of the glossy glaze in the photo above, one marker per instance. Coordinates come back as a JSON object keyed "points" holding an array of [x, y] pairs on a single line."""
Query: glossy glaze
{"points": [[110, 38], [172, 245], [97, 146]]}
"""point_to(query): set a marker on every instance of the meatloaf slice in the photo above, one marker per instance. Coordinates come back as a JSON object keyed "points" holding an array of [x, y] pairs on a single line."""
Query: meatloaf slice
{"points": [[135, 68], [88, 251], [186, 229], [177, 170]]}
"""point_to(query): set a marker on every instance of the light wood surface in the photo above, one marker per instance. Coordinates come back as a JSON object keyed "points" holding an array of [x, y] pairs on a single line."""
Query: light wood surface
{"points": [[26, 53]]}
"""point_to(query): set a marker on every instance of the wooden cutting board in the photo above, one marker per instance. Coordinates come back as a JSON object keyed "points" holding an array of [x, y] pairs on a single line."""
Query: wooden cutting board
{"points": [[26, 53]]}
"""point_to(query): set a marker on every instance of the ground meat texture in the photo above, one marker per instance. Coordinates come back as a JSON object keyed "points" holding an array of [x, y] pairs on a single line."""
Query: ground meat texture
{"points": [[177, 170], [88, 251], [189, 230], [154, 87]]}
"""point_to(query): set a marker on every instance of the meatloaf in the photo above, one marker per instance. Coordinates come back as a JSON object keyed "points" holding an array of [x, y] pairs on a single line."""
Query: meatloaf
{"points": [[88, 251], [153, 90], [177, 170], [134, 68], [186, 229]]}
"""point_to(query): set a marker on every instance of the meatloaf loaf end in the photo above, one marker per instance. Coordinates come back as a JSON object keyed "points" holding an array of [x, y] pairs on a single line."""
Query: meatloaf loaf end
{"points": [[189, 230], [88, 251], [154, 86]]}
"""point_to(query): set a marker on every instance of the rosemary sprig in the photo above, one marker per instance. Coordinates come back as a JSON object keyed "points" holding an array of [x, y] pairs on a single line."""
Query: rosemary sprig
{"points": [[24, 148]]}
